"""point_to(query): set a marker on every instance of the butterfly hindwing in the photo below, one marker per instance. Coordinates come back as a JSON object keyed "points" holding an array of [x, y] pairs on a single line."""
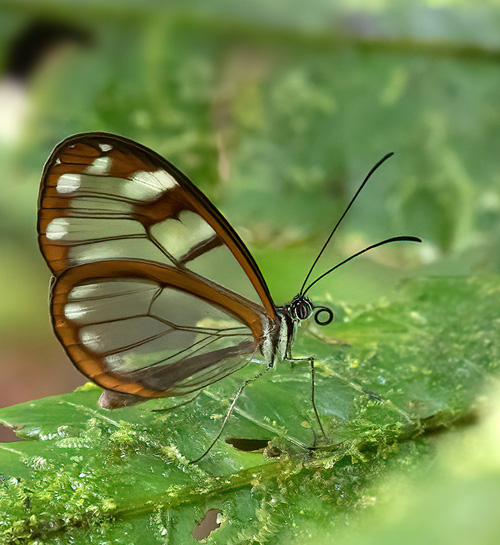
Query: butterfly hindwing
{"points": [[150, 330], [155, 294]]}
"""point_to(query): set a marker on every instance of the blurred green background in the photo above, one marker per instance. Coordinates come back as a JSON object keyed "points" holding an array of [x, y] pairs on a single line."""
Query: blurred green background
{"points": [[276, 110]]}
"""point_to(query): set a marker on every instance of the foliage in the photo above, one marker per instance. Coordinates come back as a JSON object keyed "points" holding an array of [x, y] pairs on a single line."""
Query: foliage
{"points": [[277, 110], [390, 379]]}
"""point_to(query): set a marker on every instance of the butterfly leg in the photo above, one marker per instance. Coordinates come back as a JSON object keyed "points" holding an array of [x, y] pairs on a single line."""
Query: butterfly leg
{"points": [[310, 360], [229, 412]]}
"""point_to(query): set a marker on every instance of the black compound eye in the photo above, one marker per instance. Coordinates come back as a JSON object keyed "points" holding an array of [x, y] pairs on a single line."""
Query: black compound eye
{"points": [[302, 311], [301, 308]]}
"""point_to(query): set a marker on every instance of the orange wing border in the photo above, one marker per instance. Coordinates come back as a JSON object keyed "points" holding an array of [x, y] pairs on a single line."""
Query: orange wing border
{"points": [[94, 367]]}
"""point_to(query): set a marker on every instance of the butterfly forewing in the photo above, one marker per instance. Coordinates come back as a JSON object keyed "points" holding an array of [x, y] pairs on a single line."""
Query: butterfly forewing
{"points": [[105, 197], [155, 293]]}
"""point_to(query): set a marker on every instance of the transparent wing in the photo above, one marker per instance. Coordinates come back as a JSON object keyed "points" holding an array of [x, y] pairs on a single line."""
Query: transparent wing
{"points": [[150, 330]]}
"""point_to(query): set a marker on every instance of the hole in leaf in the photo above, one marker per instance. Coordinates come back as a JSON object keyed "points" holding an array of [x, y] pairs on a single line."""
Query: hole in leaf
{"points": [[7, 435], [248, 445], [204, 528]]}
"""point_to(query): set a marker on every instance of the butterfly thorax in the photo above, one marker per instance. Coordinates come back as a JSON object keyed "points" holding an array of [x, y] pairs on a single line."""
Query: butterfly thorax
{"points": [[279, 334]]}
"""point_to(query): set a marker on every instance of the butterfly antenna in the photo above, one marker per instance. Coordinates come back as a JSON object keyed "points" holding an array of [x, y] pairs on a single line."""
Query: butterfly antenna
{"points": [[368, 176], [386, 241]]}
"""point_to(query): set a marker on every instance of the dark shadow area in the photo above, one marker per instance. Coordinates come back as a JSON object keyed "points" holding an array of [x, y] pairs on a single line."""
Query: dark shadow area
{"points": [[35, 42]]}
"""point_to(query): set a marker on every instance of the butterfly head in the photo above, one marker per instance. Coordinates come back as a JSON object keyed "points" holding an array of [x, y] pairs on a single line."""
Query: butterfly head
{"points": [[301, 308]]}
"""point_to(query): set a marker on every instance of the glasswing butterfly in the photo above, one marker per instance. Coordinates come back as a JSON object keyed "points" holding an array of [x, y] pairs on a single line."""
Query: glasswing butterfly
{"points": [[154, 294]]}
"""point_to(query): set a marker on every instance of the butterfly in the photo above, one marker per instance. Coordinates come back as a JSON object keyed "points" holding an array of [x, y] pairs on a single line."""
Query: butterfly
{"points": [[153, 293]]}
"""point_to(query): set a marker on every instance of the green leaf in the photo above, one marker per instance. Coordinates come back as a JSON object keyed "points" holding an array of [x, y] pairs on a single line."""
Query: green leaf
{"points": [[454, 500], [388, 377]]}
